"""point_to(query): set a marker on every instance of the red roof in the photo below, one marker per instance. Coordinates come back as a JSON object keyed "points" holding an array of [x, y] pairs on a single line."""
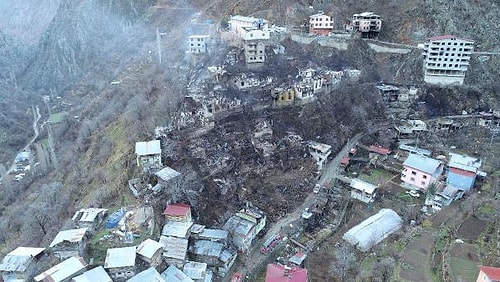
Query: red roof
{"points": [[492, 272], [345, 161], [276, 273], [379, 150], [441, 37], [177, 210], [236, 277], [462, 172]]}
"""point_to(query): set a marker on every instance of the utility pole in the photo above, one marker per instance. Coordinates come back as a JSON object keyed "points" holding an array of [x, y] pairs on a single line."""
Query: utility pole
{"points": [[158, 44]]}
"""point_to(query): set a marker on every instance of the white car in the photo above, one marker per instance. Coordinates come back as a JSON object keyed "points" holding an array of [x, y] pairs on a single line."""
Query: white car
{"points": [[413, 193], [316, 188]]}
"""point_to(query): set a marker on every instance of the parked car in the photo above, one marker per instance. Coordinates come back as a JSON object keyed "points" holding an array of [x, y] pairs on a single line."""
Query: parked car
{"points": [[413, 193]]}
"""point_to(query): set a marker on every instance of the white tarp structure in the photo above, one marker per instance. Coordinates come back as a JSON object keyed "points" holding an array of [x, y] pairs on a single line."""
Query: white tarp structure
{"points": [[373, 229]]}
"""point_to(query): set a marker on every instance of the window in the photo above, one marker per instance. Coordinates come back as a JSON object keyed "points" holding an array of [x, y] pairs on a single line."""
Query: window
{"points": [[413, 173], [412, 179], [456, 65], [425, 176], [423, 182], [260, 58]]}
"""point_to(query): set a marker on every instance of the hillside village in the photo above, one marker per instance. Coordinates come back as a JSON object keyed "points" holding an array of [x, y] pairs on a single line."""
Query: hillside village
{"points": [[369, 198]]}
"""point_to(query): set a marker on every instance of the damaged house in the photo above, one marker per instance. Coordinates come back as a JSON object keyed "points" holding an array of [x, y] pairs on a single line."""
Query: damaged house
{"points": [[120, 263], [167, 179], [362, 190], [150, 251], [148, 154], [245, 225], [90, 218], [69, 243], [319, 152]]}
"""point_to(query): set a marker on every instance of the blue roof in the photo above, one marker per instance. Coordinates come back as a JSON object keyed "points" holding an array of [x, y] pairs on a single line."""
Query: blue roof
{"points": [[461, 182], [114, 219], [422, 163]]}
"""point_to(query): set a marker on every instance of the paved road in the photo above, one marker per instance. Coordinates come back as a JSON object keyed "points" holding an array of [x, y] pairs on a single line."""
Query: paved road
{"points": [[255, 258], [36, 118]]}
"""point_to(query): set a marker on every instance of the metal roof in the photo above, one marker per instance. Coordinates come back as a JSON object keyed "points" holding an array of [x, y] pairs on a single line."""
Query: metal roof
{"points": [[148, 148], [120, 257], [167, 173], [276, 273], [207, 248], [176, 229], [63, 270], [87, 215], [148, 275], [173, 247], [227, 254], [173, 274], [239, 225], [195, 270], [373, 229], [19, 259], [214, 234], [298, 258], [97, 274], [464, 162], [460, 181], [177, 210], [422, 163], [148, 248], [363, 186], [72, 235]]}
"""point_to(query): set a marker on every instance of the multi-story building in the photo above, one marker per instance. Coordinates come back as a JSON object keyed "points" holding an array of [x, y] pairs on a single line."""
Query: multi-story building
{"points": [[198, 44], [254, 44], [368, 24], [320, 24], [446, 59], [238, 24], [420, 172]]}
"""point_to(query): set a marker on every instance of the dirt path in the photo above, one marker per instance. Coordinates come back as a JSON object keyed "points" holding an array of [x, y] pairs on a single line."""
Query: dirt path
{"points": [[254, 259]]}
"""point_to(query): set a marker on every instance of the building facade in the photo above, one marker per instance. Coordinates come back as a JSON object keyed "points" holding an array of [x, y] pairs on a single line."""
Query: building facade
{"points": [[198, 44], [420, 172], [368, 24], [446, 59], [320, 24]]}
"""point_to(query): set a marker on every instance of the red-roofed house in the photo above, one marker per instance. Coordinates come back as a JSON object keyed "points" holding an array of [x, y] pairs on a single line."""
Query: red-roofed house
{"points": [[379, 150], [488, 274], [345, 161], [283, 273], [178, 212]]}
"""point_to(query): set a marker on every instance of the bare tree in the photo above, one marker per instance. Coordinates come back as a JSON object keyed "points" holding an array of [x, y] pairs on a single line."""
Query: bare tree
{"points": [[382, 269]]}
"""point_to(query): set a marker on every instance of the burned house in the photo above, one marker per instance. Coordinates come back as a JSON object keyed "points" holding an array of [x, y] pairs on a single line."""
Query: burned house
{"points": [[407, 128], [283, 96], [363, 191], [214, 235], [120, 263], [319, 152], [150, 251], [90, 218], [174, 250], [20, 263], [63, 271], [198, 44], [69, 243], [167, 179], [389, 93], [245, 225], [148, 154], [226, 260]]}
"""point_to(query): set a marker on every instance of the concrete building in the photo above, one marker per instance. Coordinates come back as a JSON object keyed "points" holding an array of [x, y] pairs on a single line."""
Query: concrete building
{"points": [[368, 24], [446, 59], [148, 154], [319, 152], [120, 263], [97, 274], [198, 44], [363, 191], [20, 263], [150, 251], [63, 271], [320, 24], [488, 274], [245, 225], [420, 172], [69, 243]]}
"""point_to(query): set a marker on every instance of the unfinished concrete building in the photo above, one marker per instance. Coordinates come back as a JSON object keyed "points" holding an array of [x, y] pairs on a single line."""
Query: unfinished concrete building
{"points": [[320, 24], [198, 44], [368, 24], [446, 59]]}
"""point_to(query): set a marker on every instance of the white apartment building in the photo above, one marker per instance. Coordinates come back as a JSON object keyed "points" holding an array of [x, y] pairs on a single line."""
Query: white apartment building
{"points": [[198, 44], [320, 24], [368, 24], [446, 59]]}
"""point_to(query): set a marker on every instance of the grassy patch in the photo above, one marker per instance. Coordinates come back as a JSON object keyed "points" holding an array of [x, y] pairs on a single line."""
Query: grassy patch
{"points": [[366, 267], [377, 176], [463, 270], [57, 117], [485, 210]]}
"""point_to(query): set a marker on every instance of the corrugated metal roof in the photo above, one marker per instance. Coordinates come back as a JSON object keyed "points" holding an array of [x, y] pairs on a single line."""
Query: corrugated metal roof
{"points": [[177, 209], [239, 225], [207, 248], [148, 275], [460, 181], [148, 148], [63, 270], [173, 247], [97, 274], [120, 257], [88, 215], [276, 273], [214, 234], [227, 255], [464, 162], [195, 270], [363, 186], [298, 258], [72, 235], [148, 248], [173, 274], [176, 229], [422, 163], [167, 173], [19, 259]]}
